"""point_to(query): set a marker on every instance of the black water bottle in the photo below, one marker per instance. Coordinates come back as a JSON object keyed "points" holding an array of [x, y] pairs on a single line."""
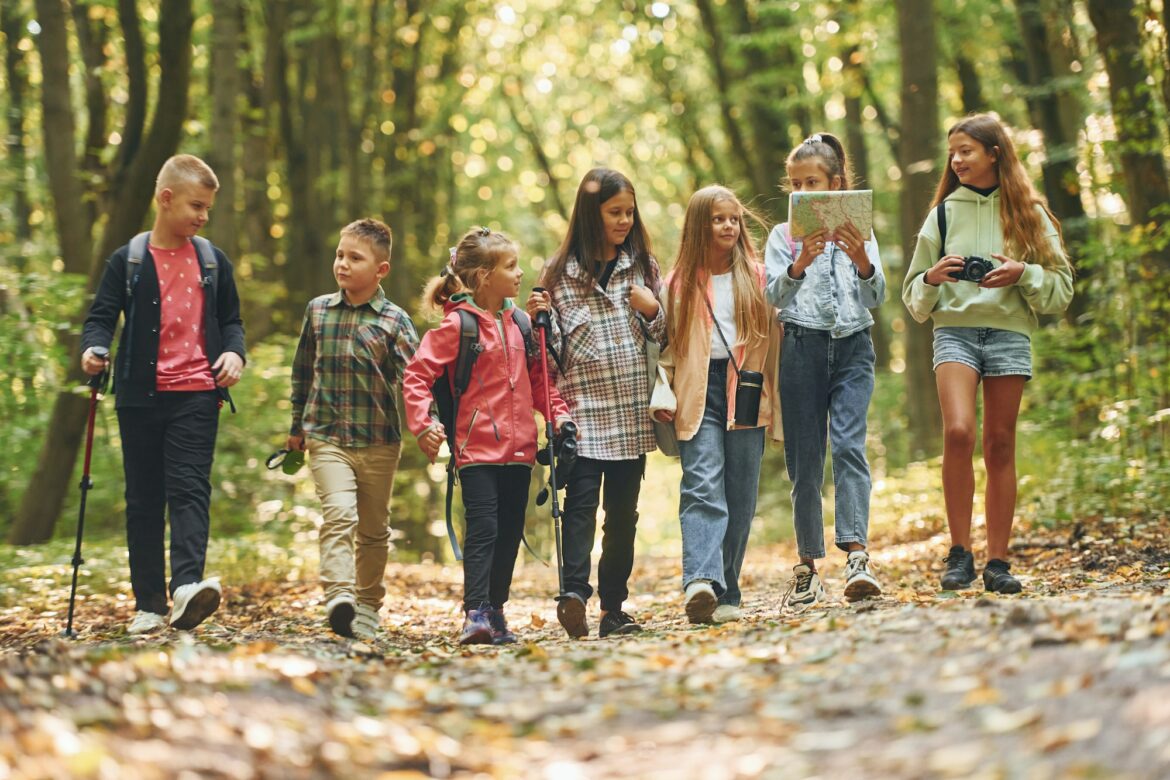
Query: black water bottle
{"points": [[747, 398]]}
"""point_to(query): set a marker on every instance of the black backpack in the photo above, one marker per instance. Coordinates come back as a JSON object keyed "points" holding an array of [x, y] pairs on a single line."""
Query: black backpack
{"points": [[449, 387]]}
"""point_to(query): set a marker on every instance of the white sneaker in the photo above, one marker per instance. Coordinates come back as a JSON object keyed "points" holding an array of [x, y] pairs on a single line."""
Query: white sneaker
{"points": [[341, 610], [146, 622], [804, 589], [700, 601], [365, 623], [859, 583], [194, 603], [726, 613]]}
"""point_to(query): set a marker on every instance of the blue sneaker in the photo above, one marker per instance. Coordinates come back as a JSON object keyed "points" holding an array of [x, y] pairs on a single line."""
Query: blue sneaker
{"points": [[500, 633], [476, 628]]}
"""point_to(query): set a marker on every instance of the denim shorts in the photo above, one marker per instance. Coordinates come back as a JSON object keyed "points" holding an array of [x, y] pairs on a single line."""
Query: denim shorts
{"points": [[990, 351]]}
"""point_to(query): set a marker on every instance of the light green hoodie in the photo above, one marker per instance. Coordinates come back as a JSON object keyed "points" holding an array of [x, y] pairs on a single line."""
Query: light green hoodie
{"points": [[973, 228]]}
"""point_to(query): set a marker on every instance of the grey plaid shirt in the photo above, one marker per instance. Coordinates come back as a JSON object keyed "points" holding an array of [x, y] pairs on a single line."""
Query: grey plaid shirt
{"points": [[602, 347]]}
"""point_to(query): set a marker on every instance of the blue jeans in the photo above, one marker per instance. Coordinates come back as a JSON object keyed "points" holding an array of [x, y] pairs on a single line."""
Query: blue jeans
{"points": [[721, 473], [825, 388]]}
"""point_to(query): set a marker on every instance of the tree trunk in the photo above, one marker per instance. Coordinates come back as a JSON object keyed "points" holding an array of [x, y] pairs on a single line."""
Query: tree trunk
{"points": [[1061, 182], [12, 25], [717, 55], [854, 86], [60, 137], [1134, 113], [52, 475], [970, 85], [918, 159], [225, 91]]}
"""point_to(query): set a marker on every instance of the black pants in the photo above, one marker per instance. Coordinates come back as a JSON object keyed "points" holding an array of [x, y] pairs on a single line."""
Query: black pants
{"points": [[166, 454], [623, 481], [494, 501]]}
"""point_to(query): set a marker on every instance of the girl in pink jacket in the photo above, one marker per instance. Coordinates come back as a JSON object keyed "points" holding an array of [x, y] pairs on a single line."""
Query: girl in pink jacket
{"points": [[495, 433]]}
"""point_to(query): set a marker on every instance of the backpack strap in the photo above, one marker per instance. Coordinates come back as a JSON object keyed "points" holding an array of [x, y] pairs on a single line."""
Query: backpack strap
{"points": [[135, 254], [941, 214], [520, 317], [786, 231], [134, 258], [209, 279], [469, 351]]}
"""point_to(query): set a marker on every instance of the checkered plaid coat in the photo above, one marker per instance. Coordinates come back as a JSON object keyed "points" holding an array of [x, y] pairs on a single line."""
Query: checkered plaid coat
{"points": [[602, 345]]}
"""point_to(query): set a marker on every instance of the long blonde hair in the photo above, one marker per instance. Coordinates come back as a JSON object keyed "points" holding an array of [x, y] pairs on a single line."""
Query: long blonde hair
{"points": [[480, 249], [1023, 230], [688, 285]]}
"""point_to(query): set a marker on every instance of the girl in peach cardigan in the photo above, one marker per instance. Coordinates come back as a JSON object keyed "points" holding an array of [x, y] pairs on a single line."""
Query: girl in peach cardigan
{"points": [[719, 325]]}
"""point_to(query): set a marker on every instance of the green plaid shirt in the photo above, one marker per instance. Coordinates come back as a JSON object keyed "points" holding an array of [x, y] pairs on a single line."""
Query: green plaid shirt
{"points": [[347, 373]]}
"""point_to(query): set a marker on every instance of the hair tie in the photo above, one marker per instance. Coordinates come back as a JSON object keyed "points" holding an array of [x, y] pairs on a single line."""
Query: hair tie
{"points": [[815, 138], [485, 231]]}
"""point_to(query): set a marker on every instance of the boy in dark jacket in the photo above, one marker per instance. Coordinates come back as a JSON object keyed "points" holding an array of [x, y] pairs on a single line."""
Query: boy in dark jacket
{"points": [[181, 348]]}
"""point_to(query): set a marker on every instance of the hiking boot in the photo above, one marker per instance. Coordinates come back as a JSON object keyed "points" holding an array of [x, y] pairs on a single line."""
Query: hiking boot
{"points": [[146, 622], [365, 623], [571, 614], [194, 603], [859, 582], [700, 601], [500, 633], [726, 613], [804, 589], [960, 571], [476, 629], [617, 622], [998, 579], [341, 610]]}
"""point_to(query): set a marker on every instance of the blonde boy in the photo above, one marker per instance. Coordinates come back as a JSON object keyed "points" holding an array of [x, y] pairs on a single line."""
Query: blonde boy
{"points": [[181, 348]]}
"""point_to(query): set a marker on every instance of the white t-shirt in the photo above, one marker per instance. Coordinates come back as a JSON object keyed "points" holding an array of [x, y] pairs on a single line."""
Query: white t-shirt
{"points": [[724, 306]]}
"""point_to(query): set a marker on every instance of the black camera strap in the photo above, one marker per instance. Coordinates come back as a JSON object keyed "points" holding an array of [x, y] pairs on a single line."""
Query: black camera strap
{"points": [[719, 330], [941, 214]]}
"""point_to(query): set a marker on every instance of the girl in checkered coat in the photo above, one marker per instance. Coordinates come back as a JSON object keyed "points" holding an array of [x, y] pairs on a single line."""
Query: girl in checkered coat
{"points": [[602, 292]]}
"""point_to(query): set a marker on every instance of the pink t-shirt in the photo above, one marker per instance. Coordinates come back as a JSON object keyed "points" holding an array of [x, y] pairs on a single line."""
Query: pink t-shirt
{"points": [[182, 355]]}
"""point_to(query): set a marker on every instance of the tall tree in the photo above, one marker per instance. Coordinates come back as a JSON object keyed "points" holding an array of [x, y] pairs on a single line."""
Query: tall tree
{"points": [[12, 24], [917, 158], [51, 476], [1042, 94], [1135, 114], [225, 93]]}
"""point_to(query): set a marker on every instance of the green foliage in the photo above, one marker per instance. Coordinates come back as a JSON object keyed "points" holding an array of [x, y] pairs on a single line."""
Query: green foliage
{"points": [[1105, 385]]}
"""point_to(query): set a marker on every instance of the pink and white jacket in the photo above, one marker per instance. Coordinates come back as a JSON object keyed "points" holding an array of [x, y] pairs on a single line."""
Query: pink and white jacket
{"points": [[495, 423]]}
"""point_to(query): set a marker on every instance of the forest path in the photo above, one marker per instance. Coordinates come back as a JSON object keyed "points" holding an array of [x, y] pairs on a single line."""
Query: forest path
{"points": [[1069, 679]]}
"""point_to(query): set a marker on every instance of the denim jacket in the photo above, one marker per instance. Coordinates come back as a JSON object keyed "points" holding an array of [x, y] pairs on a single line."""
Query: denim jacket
{"points": [[831, 296]]}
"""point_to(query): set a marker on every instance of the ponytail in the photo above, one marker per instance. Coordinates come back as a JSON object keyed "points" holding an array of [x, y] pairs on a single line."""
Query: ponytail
{"points": [[479, 250], [826, 149]]}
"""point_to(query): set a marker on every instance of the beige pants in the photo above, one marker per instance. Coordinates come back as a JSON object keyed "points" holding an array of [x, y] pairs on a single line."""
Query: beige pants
{"points": [[354, 485]]}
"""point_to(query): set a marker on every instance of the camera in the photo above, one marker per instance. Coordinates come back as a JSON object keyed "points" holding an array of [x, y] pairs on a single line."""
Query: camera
{"points": [[973, 270], [565, 446], [747, 398]]}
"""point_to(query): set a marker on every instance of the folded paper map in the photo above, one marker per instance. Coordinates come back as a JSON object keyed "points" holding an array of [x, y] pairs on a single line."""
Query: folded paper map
{"points": [[808, 212]]}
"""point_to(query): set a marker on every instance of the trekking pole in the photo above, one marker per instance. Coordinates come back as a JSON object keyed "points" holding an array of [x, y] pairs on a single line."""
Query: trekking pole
{"points": [[543, 325], [97, 387]]}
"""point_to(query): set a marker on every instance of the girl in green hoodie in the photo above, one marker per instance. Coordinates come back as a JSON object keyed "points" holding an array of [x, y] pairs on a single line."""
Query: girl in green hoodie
{"points": [[985, 207]]}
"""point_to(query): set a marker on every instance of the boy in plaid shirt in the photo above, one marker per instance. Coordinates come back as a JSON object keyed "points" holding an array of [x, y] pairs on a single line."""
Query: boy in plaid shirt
{"points": [[346, 376]]}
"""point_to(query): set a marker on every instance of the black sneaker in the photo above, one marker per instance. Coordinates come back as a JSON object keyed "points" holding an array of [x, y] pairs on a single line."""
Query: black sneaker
{"points": [[998, 579], [960, 571], [617, 622], [571, 614]]}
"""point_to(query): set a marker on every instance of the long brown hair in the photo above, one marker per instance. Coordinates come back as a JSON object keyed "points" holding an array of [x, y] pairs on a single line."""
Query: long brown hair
{"points": [[480, 249], [585, 239], [1023, 230], [688, 284]]}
